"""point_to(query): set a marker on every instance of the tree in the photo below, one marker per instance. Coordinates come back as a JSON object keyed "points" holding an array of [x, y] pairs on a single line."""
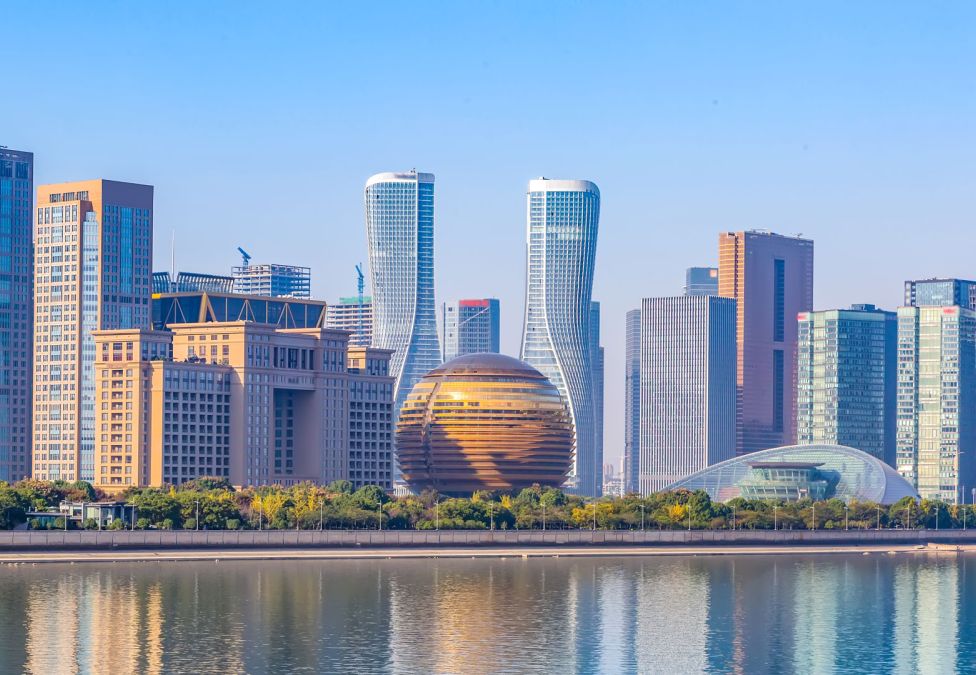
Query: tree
{"points": [[12, 512], [340, 486], [156, 506]]}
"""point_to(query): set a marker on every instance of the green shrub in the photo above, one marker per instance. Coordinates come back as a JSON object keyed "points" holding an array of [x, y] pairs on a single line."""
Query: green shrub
{"points": [[233, 524], [117, 524], [167, 524], [190, 524]]}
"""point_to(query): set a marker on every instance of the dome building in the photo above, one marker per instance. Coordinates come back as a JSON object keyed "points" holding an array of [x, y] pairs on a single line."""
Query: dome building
{"points": [[484, 422]]}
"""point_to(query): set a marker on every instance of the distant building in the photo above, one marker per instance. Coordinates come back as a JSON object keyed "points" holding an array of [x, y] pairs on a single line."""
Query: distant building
{"points": [[93, 251], [687, 387], [240, 400], [350, 315], [191, 282], [940, 293], [563, 219], [798, 472], [632, 355], [701, 281], [400, 239], [271, 280], [16, 310], [936, 441], [846, 379], [771, 278], [596, 359], [471, 327]]}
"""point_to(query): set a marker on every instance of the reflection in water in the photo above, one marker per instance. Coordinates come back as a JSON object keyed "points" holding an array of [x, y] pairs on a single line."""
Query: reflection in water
{"points": [[746, 614]]}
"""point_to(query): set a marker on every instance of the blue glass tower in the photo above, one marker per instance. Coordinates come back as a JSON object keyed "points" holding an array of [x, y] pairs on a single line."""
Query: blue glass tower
{"points": [[563, 218], [400, 237]]}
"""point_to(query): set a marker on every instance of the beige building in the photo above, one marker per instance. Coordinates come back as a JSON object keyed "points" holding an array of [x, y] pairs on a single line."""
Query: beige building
{"points": [[247, 401], [93, 253]]}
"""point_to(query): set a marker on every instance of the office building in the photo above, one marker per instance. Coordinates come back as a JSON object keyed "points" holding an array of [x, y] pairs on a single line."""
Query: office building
{"points": [[936, 437], [632, 341], [471, 327], [400, 237], [701, 281], [771, 278], [596, 360], [940, 293], [687, 413], [354, 316], [16, 311], [271, 280], [846, 372], [191, 282], [249, 402], [563, 219], [93, 271]]}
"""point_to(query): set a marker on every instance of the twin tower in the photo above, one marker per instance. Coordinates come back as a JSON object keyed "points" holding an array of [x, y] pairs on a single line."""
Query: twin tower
{"points": [[562, 221]]}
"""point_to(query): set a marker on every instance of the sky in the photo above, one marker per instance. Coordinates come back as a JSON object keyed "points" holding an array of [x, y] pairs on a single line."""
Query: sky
{"points": [[258, 124]]}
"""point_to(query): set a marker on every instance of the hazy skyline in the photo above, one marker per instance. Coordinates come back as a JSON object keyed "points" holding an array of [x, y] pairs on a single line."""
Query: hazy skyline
{"points": [[258, 126]]}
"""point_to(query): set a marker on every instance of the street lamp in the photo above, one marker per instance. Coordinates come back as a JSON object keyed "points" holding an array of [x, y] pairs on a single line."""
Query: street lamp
{"points": [[437, 513], [491, 514], [774, 517], [846, 509], [642, 517], [197, 521], [594, 516], [813, 517], [543, 516], [321, 514], [733, 518], [879, 517]]}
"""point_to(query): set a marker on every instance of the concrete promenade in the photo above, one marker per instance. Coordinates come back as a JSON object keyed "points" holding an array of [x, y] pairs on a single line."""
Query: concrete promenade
{"points": [[54, 546]]}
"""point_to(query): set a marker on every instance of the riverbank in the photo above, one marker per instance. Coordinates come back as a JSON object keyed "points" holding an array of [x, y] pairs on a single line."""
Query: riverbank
{"points": [[79, 546]]}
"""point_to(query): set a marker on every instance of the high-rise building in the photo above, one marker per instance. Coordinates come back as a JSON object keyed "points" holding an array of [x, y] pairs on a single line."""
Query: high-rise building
{"points": [[191, 282], [846, 372], [354, 316], [936, 438], [563, 219], [245, 401], [272, 280], [400, 237], [687, 407], [632, 352], [16, 313], [771, 278], [93, 271], [596, 359], [940, 293], [471, 327], [701, 281]]}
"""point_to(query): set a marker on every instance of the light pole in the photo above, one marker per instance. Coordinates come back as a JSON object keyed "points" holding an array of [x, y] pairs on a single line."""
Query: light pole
{"points": [[197, 520], [879, 517], [774, 517], [594, 516], [437, 513], [543, 516], [733, 518], [321, 515], [642, 517], [491, 514], [813, 517], [846, 511], [380, 506]]}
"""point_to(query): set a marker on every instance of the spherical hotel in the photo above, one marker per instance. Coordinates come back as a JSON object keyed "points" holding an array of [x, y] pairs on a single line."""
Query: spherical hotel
{"points": [[484, 422]]}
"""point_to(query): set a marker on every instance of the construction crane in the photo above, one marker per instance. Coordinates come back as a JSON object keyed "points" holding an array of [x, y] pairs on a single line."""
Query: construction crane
{"points": [[360, 288], [245, 256]]}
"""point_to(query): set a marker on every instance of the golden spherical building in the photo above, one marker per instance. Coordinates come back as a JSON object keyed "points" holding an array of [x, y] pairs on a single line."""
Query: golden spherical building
{"points": [[484, 422]]}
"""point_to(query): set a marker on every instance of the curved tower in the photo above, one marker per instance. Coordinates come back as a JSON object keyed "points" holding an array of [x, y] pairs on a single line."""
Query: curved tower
{"points": [[400, 238], [563, 218]]}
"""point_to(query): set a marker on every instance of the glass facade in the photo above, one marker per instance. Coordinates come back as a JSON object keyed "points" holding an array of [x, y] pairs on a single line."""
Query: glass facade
{"points": [[850, 474], [484, 422], [400, 237], [701, 281], [686, 392], [16, 320], [563, 219], [273, 281], [936, 437], [632, 401], [471, 327], [846, 362], [940, 293]]}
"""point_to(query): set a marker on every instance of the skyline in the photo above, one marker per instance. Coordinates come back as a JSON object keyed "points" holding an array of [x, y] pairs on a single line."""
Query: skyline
{"points": [[851, 126]]}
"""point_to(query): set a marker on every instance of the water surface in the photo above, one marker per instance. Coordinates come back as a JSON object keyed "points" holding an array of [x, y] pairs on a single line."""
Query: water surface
{"points": [[720, 614]]}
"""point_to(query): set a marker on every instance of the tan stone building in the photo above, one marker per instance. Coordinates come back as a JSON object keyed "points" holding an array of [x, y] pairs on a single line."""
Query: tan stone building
{"points": [[250, 402]]}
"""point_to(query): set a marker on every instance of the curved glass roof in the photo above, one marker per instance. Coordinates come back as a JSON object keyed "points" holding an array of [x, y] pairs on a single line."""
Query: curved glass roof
{"points": [[862, 476]]}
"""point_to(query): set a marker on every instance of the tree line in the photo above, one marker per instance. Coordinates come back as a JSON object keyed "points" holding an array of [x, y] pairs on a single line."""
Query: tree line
{"points": [[309, 506]]}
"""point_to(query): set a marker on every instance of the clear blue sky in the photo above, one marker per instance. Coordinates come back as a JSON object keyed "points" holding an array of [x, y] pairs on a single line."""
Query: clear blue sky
{"points": [[853, 123]]}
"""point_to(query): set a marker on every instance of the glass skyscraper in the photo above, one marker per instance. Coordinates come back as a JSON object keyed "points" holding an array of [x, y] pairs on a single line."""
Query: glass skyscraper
{"points": [[563, 219], [632, 345], [93, 248], [936, 437], [940, 293], [846, 361], [400, 237], [471, 327], [701, 281], [686, 408], [16, 315]]}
